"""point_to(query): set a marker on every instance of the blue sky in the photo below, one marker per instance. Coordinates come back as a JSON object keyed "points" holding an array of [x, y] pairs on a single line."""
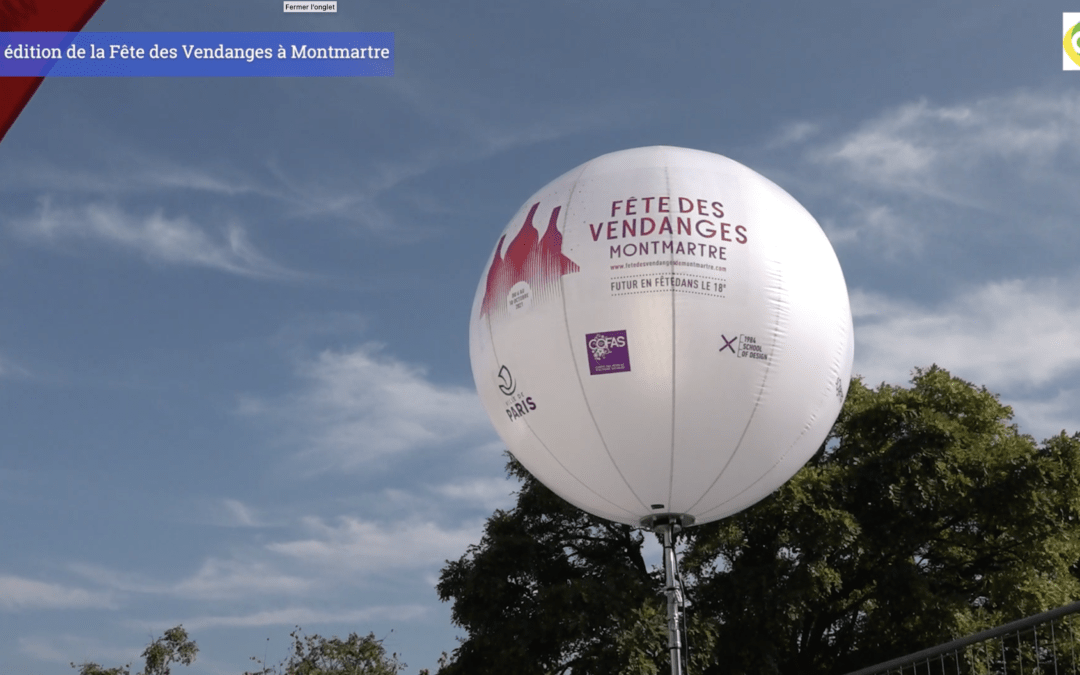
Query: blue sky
{"points": [[235, 389]]}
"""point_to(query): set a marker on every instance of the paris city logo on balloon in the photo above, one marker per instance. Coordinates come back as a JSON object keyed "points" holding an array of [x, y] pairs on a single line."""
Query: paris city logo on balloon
{"points": [[520, 406], [507, 386], [517, 404]]}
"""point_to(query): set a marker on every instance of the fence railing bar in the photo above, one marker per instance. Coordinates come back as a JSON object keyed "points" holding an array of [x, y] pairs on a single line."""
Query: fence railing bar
{"points": [[988, 634], [1020, 652], [1038, 656], [1053, 649], [1004, 658], [1072, 644]]}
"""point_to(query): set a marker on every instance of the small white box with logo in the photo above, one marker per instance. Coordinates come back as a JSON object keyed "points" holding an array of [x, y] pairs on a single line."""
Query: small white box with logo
{"points": [[1070, 42]]}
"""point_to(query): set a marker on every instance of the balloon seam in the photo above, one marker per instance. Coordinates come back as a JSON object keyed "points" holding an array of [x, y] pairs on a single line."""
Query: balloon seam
{"points": [[577, 369]]}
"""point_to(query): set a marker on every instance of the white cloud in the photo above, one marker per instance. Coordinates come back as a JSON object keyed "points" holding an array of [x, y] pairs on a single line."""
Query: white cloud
{"points": [[43, 649], [157, 237], [9, 368], [114, 580], [877, 225], [244, 575], [225, 512], [491, 493], [471, 138], [66, 649], [18, 593], [1010, 336], [319, 555], [297, 616], [237, 514], [999, 168], [948, 151], [236, 578], [126, 171], [355, 546], [793, 133], [891, 150], [360, 405], [347, 191], [160, 173], [1048, 416]]}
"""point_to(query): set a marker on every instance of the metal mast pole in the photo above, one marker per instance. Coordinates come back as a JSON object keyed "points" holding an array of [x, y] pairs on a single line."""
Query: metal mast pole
{"points": [[674, 602], [668, 525]]}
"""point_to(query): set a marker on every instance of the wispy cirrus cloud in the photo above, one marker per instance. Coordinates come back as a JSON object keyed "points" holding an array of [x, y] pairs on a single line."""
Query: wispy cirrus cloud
{"points": [[1005, 334], [1048, 415], [238, 514], [358, 405], [946, 151], [968, 209], [9, 368], [316, 556], [1018, 336], [995, 169], [20, 593], [225, 512], [125, 171], [794, 133], [490, 492], [353, 546], [155, 236], [65, 649], [238, 578], [297, 616], [243, 575], [464, 136]]}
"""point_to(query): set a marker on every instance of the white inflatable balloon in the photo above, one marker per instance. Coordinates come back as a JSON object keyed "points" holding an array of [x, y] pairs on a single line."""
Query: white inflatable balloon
{"points": [[662, 331]]}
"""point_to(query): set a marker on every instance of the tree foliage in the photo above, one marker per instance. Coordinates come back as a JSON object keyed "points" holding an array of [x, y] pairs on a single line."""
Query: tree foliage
{"points": [[309, 655], [545, 589], [172, 647], [316, 655], [925, 515]]}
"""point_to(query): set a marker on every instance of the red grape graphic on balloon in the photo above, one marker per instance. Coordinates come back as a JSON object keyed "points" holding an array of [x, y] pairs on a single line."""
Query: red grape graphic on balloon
{"points": [[537, 261]]}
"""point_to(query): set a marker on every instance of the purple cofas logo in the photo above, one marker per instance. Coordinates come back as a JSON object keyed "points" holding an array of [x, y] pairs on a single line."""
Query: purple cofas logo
{"points": [[608, 352]]}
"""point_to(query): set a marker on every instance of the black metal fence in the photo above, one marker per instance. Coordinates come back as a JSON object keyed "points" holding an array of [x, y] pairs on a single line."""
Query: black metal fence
{"points": [[1043, 644]]}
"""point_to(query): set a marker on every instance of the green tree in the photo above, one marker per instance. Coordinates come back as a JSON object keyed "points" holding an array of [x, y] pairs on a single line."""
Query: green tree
{"points": [[316, 655], [91, 668], [310, 655], [172, 647], [925, 515], [546, 588]]}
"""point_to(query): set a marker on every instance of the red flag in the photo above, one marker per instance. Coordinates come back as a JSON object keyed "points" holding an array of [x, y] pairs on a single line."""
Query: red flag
{"points": [[30, 15]]}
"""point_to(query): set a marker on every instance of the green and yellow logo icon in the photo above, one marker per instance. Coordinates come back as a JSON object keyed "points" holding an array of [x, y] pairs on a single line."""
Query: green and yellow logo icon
{"points": [[1071, 42]]}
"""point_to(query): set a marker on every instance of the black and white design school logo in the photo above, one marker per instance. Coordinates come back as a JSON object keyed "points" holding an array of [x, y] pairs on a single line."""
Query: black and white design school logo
{"points": [[518, 404]]}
